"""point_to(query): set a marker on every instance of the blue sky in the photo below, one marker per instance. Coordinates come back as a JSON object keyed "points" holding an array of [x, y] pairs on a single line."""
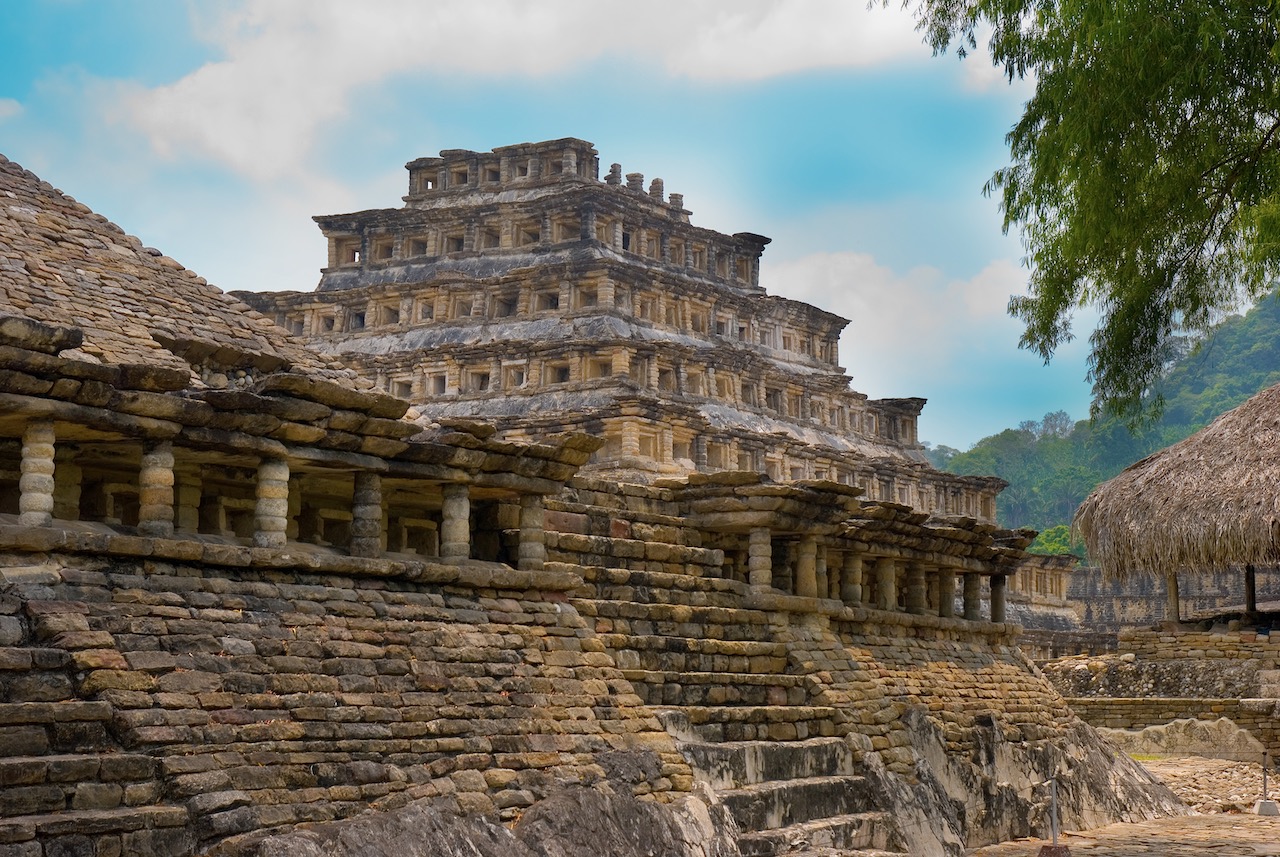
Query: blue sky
{"points": [[216, 130]]}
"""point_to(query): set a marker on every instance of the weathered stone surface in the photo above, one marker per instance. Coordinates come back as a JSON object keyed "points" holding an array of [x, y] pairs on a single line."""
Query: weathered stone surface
{"points": [[570, 823]]}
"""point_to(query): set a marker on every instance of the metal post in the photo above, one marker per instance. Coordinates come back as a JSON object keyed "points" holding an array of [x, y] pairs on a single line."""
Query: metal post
{"points": [[1053, 810], [1266, 806]]}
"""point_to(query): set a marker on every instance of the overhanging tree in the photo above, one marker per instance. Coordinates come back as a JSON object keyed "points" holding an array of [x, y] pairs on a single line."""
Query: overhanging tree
{"points": [[1145, 173]]}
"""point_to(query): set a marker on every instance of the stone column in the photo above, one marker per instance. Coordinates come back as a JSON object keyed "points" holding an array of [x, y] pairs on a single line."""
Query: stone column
{"points": [[806, 567], [851, 579], [834, 574], [917, 589], [630, 437], [155, 491], [366, 515], [886, 584], [760, 558], [946, 592], [187, 489], [997, 597], [271, 511], [36, 484], [66, 485], [972, 597], [455, 529], [533, 537]]}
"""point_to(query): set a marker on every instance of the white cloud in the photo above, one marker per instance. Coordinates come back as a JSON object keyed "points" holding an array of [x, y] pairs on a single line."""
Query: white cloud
{"points": [[9, 108], [951, 341], [292, 66], [904, 326]]}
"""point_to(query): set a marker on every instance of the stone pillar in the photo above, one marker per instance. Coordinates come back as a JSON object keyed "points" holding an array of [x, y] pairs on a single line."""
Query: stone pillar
{"points": [[886, 584], [760, 558], [366, 515], [66, 485], [186, 491], [972, 597], [455, 529], [997, 597], [155, 491], [851, 579], [271, 511], [1172, 610], [700, 451], [917, 589], [946, 592], [36, 484], [533, 537], [630, 437], [806, 567]]}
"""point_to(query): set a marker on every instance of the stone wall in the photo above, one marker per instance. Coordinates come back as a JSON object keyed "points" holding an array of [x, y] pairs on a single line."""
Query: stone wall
{"points": [[1260, 717], [268, 687], [1140, 600]]}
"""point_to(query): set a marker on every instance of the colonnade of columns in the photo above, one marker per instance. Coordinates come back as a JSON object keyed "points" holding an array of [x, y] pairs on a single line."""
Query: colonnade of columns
{"points": [[924, 589], [171, 500]]}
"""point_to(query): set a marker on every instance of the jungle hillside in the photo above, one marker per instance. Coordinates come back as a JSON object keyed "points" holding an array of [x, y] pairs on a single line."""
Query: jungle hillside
{"points": [[1052, 463]]}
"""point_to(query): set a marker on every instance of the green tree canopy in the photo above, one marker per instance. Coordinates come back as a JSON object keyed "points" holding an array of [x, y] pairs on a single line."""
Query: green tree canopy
{"points": [[1145, 173]]}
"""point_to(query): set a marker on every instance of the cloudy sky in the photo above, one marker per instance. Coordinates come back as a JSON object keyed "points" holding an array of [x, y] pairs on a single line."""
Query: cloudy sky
{"points": [[216, 130]]}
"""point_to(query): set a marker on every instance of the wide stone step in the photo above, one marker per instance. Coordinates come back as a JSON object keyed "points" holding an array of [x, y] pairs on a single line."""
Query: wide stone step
{"points": [[677, 620], [667, 687], [43, 784], [734, 764], [652, 587], [759, 722], [45, 728], [91, 822], [701, 645], [774, 805], [53, 712], [840, 834]]}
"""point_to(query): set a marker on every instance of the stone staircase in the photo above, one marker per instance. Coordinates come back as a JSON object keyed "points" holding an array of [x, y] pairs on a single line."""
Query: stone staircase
{"points": [[66, 785], [686, 644], [717, 672], [800, 797]]}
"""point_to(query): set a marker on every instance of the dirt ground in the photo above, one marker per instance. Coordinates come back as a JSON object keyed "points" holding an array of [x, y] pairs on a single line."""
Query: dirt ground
{"points": [[1222, 792]]}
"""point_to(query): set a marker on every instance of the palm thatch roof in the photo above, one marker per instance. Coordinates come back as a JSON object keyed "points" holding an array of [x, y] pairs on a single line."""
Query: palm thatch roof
{"points": [[1207, 503]]}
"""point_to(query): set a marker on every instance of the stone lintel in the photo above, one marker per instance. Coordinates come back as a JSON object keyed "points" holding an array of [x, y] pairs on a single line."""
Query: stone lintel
{"points": [[516, 483], [232, 442], [757, 599], [130, 425]]}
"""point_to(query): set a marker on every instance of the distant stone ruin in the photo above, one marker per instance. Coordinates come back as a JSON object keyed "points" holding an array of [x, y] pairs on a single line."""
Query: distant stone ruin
{"points": [[252, 604], [517, 287]]}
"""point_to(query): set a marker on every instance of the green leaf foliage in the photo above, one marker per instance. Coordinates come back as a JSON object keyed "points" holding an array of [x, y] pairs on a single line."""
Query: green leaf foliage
{"points": [[1145, 171], [1052, 464], [1056, 541]]}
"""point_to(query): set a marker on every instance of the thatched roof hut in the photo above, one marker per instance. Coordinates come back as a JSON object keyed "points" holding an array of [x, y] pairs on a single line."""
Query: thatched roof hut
{"points": [[1207, 503]]}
